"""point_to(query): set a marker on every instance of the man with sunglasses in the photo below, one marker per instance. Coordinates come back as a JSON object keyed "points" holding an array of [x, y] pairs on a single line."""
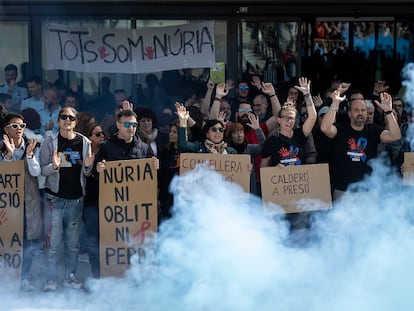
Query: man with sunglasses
{"points": [[65, 160], [125, 145]]}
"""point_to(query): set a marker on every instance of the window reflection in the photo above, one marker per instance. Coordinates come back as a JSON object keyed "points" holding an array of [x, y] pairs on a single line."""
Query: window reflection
{"points": [[14, 50], [270, 48]]}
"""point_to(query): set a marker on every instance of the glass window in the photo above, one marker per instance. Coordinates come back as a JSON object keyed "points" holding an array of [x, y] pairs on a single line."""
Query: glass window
{"points": [[403, 42], [15, 48], [270, 48]]}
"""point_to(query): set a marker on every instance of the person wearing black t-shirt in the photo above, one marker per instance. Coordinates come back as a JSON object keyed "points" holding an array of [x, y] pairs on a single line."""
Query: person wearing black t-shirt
{"points": [[287, 147], [356, 142], [65, 160]]}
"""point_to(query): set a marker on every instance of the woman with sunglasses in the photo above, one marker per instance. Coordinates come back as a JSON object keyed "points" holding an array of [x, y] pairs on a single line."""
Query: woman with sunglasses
{"points": [[15, 147], [212, 135], [65, 159]]}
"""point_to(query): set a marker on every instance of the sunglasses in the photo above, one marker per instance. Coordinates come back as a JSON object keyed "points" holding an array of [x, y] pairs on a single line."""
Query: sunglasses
{"points": [[128, 124], [303, 114], [99, 134], [243, 87], [67, 116], [215, 129], [245, 110], [397, 105], [17, 125]]}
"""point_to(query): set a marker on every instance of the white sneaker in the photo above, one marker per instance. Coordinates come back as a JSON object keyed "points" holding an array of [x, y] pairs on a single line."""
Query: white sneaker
{"points": [[71, 282], [26, 286], [50, 286]]}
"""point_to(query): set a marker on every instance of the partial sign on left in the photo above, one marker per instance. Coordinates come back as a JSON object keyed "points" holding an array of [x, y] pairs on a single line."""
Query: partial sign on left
{"points": [[11, 217]]}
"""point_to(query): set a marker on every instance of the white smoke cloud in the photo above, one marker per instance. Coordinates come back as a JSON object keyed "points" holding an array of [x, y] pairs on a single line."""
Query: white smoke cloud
{"points": [[220, 251]]}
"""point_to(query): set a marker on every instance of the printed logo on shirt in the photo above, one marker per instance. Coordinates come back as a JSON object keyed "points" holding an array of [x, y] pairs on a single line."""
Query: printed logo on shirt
{"points": [[289, 157], [357, 149], [69, 158]]}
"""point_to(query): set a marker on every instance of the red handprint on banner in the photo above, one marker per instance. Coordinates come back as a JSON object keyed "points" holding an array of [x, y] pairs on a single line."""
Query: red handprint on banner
{"points": [[102, 52], [149, 52], [3, 217]]}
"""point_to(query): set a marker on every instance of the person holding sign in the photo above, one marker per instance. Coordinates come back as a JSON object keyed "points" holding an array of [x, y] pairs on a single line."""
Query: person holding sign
{"points": [[65, 160], [15, 147], [212, 133], [288, 147], [356, 142]]}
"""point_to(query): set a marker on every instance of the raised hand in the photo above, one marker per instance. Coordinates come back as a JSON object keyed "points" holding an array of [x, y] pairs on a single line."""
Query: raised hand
{"points": [[380, 87], [31, 147], [337, 98], [56, 160], [221, 90], [90, 158], [127, 105], [343, 87], [9, 144], [253, 121], [317, 100], [268, 88], [386, 102], [304, 86], [210, 84], [182, 113], [256, 82], [229, 84], [221, 115]]}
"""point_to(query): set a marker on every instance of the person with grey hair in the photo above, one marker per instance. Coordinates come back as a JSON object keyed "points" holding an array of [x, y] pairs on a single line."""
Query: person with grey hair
{"points": [[260, 107], [370, 111]]}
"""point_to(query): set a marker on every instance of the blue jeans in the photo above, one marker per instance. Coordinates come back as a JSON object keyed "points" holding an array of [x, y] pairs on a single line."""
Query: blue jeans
{"points": [[63, 221]]}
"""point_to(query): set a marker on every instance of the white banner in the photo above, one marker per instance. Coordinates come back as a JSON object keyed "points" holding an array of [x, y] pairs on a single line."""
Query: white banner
{"points": [[132, 50]]}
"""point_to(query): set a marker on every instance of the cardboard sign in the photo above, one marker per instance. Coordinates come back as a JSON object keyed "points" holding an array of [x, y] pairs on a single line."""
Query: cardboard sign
{"points": [[218, 73], [128, 214], [296, 189], [234, 167], [11, 217], [408, 174]]}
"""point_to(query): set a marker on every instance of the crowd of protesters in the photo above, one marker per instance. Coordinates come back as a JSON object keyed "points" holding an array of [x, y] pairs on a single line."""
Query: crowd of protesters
{"points": [[65, 142]]}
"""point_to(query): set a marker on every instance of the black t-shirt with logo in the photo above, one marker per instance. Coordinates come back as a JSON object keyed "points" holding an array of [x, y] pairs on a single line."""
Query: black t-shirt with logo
{"points": [[70, 167], [285, 150], [353, 150]]}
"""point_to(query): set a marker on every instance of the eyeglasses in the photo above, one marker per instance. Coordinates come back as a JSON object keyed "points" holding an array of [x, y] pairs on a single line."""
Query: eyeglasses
{"points": [[215, 129], [17, 125], [67, 116], [303, 114], [128, 124], [99, 134], [287, 118], [243, 87], [245, 110]]}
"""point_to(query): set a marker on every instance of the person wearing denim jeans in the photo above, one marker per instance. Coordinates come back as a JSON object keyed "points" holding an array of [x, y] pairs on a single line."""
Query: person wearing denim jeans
{"points": [[65, 160], [14, 147]]}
